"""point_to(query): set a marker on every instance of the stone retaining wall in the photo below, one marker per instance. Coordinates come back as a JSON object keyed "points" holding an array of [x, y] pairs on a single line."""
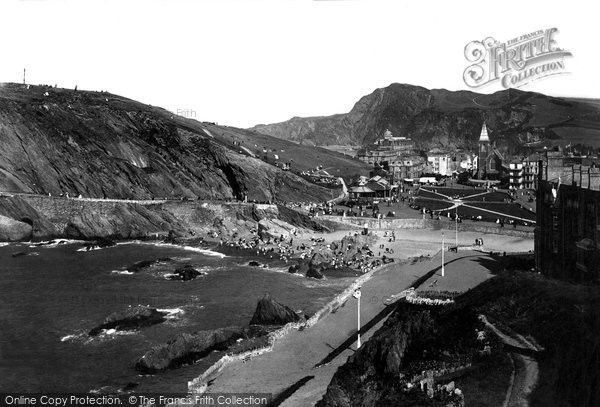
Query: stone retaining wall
{"points": [[392, 224]]}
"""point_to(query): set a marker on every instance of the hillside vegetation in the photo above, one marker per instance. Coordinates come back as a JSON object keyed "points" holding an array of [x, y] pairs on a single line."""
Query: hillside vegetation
{"points": [[562, 318], [516, 120]]}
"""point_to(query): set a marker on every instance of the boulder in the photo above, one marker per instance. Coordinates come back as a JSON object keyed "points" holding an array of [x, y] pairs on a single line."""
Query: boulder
{"points": [[24, 254], [185, 273], [270, 312], [100, 244], [186, 348], [302, 268], [314, 273], [319, 258], [140, 265], [130, 319], [12, 230], [36, 227]]}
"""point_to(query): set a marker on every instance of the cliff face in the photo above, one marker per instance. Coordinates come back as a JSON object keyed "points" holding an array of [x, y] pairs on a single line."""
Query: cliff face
{"points": [[446, 119], [102, 145]]}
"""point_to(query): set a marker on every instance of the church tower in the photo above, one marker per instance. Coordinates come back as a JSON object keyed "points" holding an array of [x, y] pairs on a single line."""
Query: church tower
{"points": [[484, 152]]}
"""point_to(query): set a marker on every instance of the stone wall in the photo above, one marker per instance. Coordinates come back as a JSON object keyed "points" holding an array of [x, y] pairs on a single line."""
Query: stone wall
{"points": [[393, 224], [60, 210]]}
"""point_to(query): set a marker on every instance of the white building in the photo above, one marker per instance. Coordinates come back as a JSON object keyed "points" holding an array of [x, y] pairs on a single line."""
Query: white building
{"points": [[440, 163]]}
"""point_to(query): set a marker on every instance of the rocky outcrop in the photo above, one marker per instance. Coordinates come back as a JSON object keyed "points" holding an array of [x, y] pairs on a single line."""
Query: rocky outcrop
{"points": [[445, 119], [99, 244], [270, 312], [130, 319], [378, 373], [12, 230], [315, 272], [25, 254], [185, 273], [186, 348], [20, 221], [144, 264]]}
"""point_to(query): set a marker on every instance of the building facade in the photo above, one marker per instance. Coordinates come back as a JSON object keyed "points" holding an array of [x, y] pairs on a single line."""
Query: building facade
{"points": [[387, 149], [515, 174], [440, 163], [406, 169], [567, 233]]}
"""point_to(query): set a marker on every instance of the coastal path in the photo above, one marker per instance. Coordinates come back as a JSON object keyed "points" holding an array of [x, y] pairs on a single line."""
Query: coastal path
{"points": [[330, 342]]}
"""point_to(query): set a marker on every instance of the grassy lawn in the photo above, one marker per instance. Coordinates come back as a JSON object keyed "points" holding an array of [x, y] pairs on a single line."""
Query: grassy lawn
{"points": [[460, 192], [494, 196], [506, 208]]}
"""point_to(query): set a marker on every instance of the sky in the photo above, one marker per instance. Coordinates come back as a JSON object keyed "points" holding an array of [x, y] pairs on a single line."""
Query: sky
{"points": [[245, 62]]}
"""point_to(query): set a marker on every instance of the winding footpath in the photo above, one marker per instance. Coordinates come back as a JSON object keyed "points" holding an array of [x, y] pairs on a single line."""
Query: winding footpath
{"points": [[525, 367]]}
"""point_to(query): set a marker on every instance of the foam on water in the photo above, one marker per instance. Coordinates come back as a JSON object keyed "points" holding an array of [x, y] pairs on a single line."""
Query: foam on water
{"points": [[105, 334], [91, 248], [55, 243], [172, 313], [176, 246], [122, 272]]}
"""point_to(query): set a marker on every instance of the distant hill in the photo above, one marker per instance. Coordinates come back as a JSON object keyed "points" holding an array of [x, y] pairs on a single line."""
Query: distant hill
{"points": [[98, 144], [451, 119]]}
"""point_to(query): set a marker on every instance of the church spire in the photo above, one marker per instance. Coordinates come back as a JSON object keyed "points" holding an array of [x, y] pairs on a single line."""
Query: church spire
{"points": [[484, 133]]}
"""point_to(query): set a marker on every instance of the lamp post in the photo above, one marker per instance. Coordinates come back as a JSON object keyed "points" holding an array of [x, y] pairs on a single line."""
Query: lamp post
{"points": [[456, 228], [357, 296], [443, 271]]}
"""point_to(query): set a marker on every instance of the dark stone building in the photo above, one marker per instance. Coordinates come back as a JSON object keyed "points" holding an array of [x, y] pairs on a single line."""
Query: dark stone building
{"points": [[567, 233]]}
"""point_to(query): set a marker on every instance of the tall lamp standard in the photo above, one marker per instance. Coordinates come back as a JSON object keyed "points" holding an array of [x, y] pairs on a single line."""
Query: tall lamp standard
{"points": [[357, 296], [456, 228], [443, 271]]}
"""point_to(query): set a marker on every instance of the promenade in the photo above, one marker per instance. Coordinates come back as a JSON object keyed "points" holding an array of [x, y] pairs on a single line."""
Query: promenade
{"points": [[294, 356]]}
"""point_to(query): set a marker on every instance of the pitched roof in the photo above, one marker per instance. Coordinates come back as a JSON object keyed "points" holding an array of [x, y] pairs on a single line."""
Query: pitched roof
{"points": [[484, 133]]}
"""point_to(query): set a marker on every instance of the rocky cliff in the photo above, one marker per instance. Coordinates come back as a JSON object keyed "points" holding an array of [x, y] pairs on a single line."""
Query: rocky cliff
{"points": [[102, 145], [447, 119]]}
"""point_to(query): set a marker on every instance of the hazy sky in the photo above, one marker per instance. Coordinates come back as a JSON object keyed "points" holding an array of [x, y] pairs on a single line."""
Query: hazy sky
{"points": [[247, 62]]}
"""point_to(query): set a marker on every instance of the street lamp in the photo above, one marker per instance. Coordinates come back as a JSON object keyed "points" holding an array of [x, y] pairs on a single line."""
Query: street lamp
{"points": [[456, 228], [443, 271], [357, 296]]}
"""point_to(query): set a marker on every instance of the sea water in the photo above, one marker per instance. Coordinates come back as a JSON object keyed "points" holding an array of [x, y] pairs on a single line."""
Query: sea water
{"points": [[49, 301]]}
